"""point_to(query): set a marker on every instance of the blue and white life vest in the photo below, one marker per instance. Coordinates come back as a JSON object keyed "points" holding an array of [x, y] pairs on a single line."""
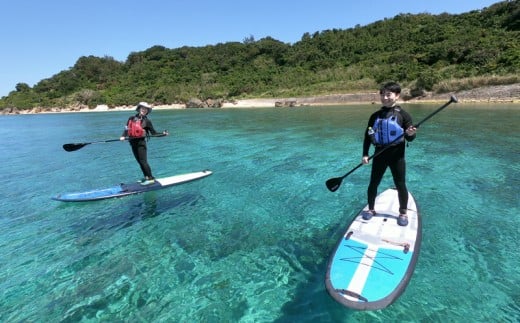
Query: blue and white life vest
{"points": [[388, 130]]}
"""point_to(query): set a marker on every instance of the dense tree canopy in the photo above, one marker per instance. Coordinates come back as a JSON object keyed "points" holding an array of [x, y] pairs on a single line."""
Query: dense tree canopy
{"points": [[422, 51]]}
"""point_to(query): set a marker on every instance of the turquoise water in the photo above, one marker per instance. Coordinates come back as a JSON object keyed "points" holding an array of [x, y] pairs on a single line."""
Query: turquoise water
{"points": [[251, 242]]}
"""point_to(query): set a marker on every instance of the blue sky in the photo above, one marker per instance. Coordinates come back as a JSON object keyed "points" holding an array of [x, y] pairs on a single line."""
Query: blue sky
{"points": [[41, 38]]}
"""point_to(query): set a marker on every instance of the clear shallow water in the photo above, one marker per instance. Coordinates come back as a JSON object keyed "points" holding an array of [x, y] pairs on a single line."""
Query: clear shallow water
{"points": [[251, 242]]}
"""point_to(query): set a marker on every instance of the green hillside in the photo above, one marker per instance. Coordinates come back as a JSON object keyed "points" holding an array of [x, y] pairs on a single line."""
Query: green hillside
{"points": [[423, 52]]}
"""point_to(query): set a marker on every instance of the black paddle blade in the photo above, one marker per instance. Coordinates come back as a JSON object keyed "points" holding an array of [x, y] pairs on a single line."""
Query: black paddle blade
{"points": [[333, 183], [74, 147]]}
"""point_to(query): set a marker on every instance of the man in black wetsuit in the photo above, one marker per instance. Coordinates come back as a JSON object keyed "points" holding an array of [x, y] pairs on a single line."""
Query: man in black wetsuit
{"points": [[137, 129], [388, 128]]}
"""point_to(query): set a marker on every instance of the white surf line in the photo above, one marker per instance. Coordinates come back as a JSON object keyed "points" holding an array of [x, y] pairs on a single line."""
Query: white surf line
{"points": [[361, 274]]}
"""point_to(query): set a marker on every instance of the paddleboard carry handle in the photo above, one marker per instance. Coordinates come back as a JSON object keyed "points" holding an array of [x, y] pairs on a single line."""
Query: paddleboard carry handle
{"points": [[352, 294]]}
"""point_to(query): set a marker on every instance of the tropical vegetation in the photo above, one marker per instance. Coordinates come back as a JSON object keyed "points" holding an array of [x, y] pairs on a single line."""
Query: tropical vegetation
{"points": [[424, 52]]}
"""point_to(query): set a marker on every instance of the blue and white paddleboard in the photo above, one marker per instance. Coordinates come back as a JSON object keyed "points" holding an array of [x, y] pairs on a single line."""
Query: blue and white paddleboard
{"points": [[375, 259], [132, 188]]}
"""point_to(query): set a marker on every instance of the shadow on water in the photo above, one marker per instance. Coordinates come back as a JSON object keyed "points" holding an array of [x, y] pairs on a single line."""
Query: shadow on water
{"points": [[96, 246], [130, 210], [311, 301]]}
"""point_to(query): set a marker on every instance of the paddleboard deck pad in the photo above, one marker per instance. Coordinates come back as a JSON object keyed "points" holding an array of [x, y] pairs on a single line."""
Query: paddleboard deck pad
{"points": [[132, 188], [375, 259]]}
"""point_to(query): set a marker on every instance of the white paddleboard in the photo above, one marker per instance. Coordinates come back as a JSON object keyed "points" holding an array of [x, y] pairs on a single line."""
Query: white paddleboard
{"points": [[374, 259], [132, 188]]}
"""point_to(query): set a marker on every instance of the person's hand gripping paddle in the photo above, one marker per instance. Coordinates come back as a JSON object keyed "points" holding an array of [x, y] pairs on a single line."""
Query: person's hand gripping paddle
{"points": [[334, 183]]}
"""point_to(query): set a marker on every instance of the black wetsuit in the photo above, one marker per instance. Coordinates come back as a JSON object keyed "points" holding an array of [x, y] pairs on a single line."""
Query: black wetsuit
{"points": [[139, 145], [393, 157]]}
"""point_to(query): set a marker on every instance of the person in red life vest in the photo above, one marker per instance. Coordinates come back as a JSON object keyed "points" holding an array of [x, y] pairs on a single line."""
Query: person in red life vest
{"points": [[388, 128], [137, 130]]}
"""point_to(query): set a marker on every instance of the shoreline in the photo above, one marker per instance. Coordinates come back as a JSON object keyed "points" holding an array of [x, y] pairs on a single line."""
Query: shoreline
{"points": [[500, 94]]}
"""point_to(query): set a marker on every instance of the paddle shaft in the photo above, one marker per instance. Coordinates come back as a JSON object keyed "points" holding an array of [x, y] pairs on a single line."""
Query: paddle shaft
{"points": [[334, 183], [452, 100], [103, 141], [77, 146]]}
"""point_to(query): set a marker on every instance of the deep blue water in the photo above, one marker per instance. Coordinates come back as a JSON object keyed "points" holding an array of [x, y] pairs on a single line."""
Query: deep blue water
{"points": [[251, 242]]}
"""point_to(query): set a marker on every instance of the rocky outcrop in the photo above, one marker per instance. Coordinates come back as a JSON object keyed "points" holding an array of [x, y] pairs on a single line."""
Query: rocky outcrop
{"points": [[493, 93], [286, 103], [10, 110], [209, 103]]}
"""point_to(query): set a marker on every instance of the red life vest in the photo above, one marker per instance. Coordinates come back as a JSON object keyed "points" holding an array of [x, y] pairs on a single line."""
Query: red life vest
{"points": [[135, 128]]}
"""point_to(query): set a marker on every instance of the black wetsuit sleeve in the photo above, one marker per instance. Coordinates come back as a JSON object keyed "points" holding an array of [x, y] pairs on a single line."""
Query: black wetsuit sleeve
{"points": [[407, 122], [149, 127], [125, 132], [367, 141]]}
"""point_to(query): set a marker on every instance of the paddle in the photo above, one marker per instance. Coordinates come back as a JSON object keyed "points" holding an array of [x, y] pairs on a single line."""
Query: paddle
{"points": [[77, 146], [334, 183]]}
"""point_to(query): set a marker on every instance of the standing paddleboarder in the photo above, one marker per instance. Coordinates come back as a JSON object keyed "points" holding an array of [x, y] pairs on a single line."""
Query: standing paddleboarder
{"points": [[137, 130], [387, 129]]}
